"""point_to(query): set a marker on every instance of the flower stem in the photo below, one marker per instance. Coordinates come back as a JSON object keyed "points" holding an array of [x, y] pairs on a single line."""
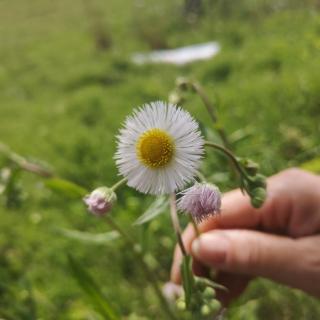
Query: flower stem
{"points": [[140, 259], [118, 184], [23, 163], [210, 107], [230, 155], [195, 226], [175, 223], [197, 88]]}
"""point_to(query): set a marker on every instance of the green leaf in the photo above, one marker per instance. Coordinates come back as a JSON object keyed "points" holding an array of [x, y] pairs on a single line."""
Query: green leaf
{"points": [[209, 134], [312, 165], [240, 135], [214, 285], [87, 237], [90, 287], [187, 278], [155, 209], [65, 188]]}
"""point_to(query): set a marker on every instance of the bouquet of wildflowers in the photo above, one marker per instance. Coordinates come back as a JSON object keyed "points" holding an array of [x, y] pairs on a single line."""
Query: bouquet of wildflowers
{"points": [[160, 149]]}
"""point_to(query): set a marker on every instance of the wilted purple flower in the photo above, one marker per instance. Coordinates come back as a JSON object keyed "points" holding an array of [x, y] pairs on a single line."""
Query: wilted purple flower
{"points": [[172, 291], [100, 200], [201, 201]]}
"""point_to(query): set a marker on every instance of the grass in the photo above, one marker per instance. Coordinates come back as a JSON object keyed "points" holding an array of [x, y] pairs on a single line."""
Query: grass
{"points": [[63, 100]]}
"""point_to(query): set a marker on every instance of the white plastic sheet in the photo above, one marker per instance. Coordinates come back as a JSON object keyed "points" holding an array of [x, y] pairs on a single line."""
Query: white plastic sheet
{"points": [[179, 56]]}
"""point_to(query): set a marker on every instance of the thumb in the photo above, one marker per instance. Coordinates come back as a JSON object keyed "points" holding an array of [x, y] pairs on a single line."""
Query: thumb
{"points": [[251, 253]]}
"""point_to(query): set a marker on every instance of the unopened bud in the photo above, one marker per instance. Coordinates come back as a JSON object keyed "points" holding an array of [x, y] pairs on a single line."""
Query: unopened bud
{"points": [[258, 196], [205, 310], [214, 306], [175, 98], [259, 181], [100, 201], [250, 166], [209, 293], [181, 304], [200, 283], [182, 83]]}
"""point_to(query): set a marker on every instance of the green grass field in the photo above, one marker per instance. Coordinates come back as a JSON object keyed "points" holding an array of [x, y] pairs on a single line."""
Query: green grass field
{"points": [[63, 98]]}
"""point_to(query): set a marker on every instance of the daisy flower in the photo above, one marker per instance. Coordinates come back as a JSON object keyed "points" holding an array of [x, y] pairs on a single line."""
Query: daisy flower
{"points": [[159, 148]]}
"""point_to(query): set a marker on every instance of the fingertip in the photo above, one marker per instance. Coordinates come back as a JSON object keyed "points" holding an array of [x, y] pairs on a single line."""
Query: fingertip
{"points": [[211, 248], [195, 247]]}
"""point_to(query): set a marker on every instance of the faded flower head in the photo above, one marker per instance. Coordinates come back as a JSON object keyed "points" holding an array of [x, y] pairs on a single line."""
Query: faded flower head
{"points": [[172, 291], [100, 200], [159, 148], [201, 201]]}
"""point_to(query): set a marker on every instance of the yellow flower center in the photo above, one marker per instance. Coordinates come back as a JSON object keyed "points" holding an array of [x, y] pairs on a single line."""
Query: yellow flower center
{"points": [[155, 148]]}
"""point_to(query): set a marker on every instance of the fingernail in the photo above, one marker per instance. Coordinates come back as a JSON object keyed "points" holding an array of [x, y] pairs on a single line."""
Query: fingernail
{"points": [[211, 248]]}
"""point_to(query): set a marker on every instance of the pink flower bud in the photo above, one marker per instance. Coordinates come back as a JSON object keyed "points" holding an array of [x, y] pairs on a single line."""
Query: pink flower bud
{"points": [[100, 200]]}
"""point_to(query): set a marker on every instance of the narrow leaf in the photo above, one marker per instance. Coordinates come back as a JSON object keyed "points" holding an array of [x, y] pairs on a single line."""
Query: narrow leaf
{"points": [[87, 237], [155, 209], [90, 287], [214, 285], [240, 135], [65, 188], [187, 278]]}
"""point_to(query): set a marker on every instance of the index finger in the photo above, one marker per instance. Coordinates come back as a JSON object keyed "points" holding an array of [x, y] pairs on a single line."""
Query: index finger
{"points": [[236, 212]]}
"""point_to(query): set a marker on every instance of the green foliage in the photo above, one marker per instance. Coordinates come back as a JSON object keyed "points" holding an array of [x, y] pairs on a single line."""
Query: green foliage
{"points": [[92, 290], [90, 238], [62, 100], [187, 279], [65, 188], [158, 206], [312, 165], [10, 187]]}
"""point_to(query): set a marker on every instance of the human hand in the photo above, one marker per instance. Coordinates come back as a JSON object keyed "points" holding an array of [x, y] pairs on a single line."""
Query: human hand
{"points": [[279, 241]]}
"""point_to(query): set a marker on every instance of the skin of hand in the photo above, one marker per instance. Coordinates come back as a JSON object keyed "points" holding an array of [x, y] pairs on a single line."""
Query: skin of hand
{"points": [[279, 241]]}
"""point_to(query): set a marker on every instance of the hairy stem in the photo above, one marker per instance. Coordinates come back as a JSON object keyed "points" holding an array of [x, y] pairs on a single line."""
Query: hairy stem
{"points": [[23, 163], [118, 184], [195, 226], [212, 112], [175, 223], [197, 88], [230, 155]]}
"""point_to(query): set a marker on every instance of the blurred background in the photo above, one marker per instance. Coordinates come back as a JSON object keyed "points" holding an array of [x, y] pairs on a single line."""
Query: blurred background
{"points": [[67, 81]]}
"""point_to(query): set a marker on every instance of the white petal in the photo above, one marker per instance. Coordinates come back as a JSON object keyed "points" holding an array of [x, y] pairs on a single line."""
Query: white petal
{"points": [[185, 133]]}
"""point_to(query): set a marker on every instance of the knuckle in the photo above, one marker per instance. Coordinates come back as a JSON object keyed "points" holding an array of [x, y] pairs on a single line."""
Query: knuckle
{"points": [[244, 255], [253, 256]]}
